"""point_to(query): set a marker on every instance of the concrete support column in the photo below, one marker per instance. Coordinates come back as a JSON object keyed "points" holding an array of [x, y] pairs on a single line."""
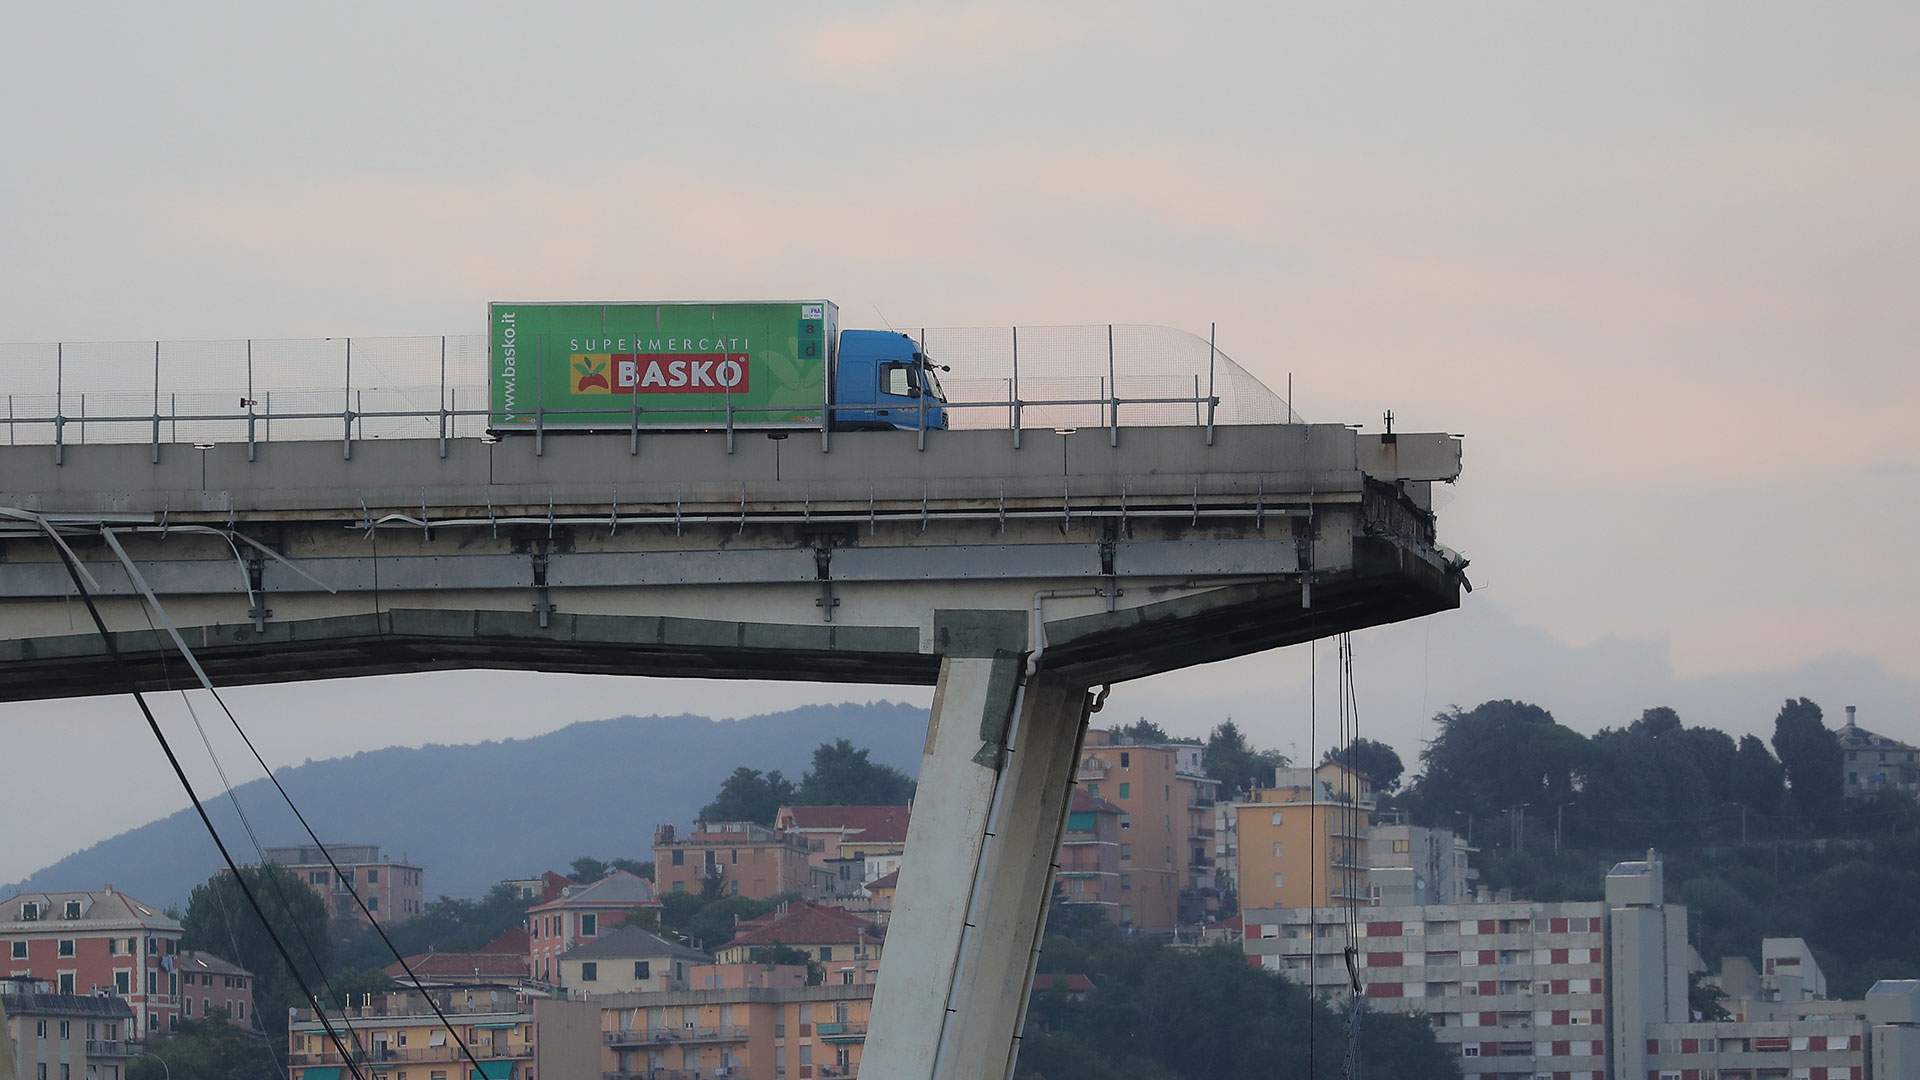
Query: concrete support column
{"points": [[986, 827]]}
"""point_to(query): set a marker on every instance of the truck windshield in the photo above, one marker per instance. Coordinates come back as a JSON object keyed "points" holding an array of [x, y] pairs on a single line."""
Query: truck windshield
{"points": [[933, 380]]}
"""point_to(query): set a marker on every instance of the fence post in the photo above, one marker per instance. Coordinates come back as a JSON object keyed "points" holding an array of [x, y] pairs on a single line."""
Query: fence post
{"points": [[1213, 351], [59, 408], [173, 413], [156, 403], [443, 395], [540, 397], [921, 377], [1016, 388], [633, 432], [268, 408], [1113, 390], [250, 425], [346, 408]]}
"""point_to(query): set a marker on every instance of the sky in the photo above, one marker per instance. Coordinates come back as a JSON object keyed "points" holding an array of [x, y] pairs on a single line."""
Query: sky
{"points": [[1657, 263]]}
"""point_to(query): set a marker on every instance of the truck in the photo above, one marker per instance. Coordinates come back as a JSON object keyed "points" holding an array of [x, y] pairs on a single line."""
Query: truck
{"points": [[673, 365]]}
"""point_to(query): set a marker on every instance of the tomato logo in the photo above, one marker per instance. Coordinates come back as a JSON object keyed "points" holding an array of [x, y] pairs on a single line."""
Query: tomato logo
{"points": [[590, 375]]}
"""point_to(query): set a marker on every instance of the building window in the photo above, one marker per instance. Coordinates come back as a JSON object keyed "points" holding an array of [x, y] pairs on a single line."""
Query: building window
{"points": [[1126, 790], [846, 977], [19, 950], [73, 908], [589, 925], [186, 1003], [123, 983], [1126, 760], [373, 876], [679, 858], [1277, 882], [1126, 821], [1126, 851], [1126, 882], [589, 971], [373, 903], [66, 946], [1126, 914], [1093, 790], [30, 911], [1276, 849], [679, 886], [1276, 817], [826, 953], [66, 1030], [1399, 845], [66, 982], [643, 969]]}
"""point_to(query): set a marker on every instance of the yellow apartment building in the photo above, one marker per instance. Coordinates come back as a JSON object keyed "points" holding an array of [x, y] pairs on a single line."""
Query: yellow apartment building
{"points": [[760, 1033], [1303, 842], [397, 1036]]}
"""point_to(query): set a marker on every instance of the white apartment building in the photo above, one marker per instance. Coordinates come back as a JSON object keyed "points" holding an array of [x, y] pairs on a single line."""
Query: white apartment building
{"points": [[1571, 991]]}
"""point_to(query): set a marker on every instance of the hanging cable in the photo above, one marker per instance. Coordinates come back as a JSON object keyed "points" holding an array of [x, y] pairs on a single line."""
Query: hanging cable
{"points": [[180, 773], [352, 890], [1313, 929]]}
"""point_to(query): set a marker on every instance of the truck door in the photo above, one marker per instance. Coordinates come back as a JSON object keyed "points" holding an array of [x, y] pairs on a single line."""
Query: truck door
{"points": [[902, 385]]}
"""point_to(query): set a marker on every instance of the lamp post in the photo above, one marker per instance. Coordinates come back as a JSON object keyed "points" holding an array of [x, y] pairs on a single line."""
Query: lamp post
{"points": [[164, 1067]]}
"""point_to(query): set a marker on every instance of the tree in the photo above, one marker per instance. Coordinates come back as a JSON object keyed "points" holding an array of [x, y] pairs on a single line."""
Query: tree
{"points": [[1494, 757], [209, 1048], [842, 776], [1814, 762], [1237, 766], [444, 925], [1758, 782], [1376, 759], [749, 796], [782, 953], [586, 869], [634, 867], [219, 920], [1143, 730]]}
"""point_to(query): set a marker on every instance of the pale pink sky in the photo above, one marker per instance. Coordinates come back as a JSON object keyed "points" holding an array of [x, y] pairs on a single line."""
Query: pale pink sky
{"points": [[1656, 263]]}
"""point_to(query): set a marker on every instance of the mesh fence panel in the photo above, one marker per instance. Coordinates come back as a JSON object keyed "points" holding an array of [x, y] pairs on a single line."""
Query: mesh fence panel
{"points": [[396, 387]]}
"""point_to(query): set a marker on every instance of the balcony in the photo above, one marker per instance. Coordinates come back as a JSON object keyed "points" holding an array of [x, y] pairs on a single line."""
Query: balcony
{"points": [[666, 1035], [426, 1055], [104, 1048], [841, 1031]]}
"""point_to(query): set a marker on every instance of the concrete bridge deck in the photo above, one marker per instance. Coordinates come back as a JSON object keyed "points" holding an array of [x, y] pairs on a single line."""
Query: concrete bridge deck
{"points": [[1015, 579]]}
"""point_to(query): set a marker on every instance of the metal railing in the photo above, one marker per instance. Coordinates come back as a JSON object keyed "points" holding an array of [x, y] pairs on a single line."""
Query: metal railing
{"points": [[260, 391], [663, 1035]]}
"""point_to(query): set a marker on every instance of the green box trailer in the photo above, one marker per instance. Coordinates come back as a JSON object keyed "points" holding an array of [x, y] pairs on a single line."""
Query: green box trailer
{"points": [[604, 366]]}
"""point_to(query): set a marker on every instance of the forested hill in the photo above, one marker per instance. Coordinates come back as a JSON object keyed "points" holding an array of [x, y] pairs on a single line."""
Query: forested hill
{"points": [[475, 814]]}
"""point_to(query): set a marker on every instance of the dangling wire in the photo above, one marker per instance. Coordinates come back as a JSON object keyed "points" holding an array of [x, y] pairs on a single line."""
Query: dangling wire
{"points": [[154, 607], [180, 773], [1350, 738]]}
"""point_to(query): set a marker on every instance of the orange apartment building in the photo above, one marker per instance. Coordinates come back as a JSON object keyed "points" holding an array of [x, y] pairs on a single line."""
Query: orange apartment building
{"points": [[394, 891], [759, 1033], [741, 858], [581, 913], [102, 942], [1166, 824], [1303, 842], [398, 1036]]}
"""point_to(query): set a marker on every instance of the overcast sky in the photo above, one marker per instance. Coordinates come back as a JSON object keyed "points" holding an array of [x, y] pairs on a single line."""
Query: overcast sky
{"points": [[1657, 262]]}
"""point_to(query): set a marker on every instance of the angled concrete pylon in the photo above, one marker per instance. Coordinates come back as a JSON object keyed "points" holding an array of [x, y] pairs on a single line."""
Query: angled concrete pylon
{"points": [[995, 782]]}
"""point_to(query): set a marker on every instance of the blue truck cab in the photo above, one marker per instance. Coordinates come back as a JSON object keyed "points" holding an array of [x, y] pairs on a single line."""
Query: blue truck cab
{"points": [[883, 382]]}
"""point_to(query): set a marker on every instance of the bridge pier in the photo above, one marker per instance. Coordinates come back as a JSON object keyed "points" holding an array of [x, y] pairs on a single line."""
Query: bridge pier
{"points": [[994, 786]]}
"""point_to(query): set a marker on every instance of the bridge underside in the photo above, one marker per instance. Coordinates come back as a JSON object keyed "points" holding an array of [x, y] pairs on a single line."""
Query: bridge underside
{"points": [[1385, 585]]}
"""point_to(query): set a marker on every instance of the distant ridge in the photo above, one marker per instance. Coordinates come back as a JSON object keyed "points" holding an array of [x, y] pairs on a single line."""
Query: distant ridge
{"points": [[475, 814]]}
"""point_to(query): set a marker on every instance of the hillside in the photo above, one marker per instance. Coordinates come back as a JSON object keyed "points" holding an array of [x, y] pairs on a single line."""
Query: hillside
{"points": [[475, 814]]}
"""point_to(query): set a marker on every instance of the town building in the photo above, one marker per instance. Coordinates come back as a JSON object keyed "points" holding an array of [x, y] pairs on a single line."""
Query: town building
{"points": [[1090, 859], [581, 913], [398, 1036], [1303, 842], [1876, 763], [103, 942], [1412, 864], [735, 858], [539, 890], [846, 946], [759, 1033], [394, 891], [1569, 991], [64, 1036], [1166, 805], [210, 985], [1893, 1008], [740, 976], [627, 960], [502, 960]]}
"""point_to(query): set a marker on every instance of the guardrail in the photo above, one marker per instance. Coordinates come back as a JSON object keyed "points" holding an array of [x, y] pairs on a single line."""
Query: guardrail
{"points": [[436, 387]]}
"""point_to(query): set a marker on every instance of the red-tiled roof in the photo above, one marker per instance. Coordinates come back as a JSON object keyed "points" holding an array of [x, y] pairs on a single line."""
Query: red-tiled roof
{"points": [[885, 881], [455, 965], [1073, 984], [805, 924], [617, 891], [1084, 803], [871, 822], [514, 940]]}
